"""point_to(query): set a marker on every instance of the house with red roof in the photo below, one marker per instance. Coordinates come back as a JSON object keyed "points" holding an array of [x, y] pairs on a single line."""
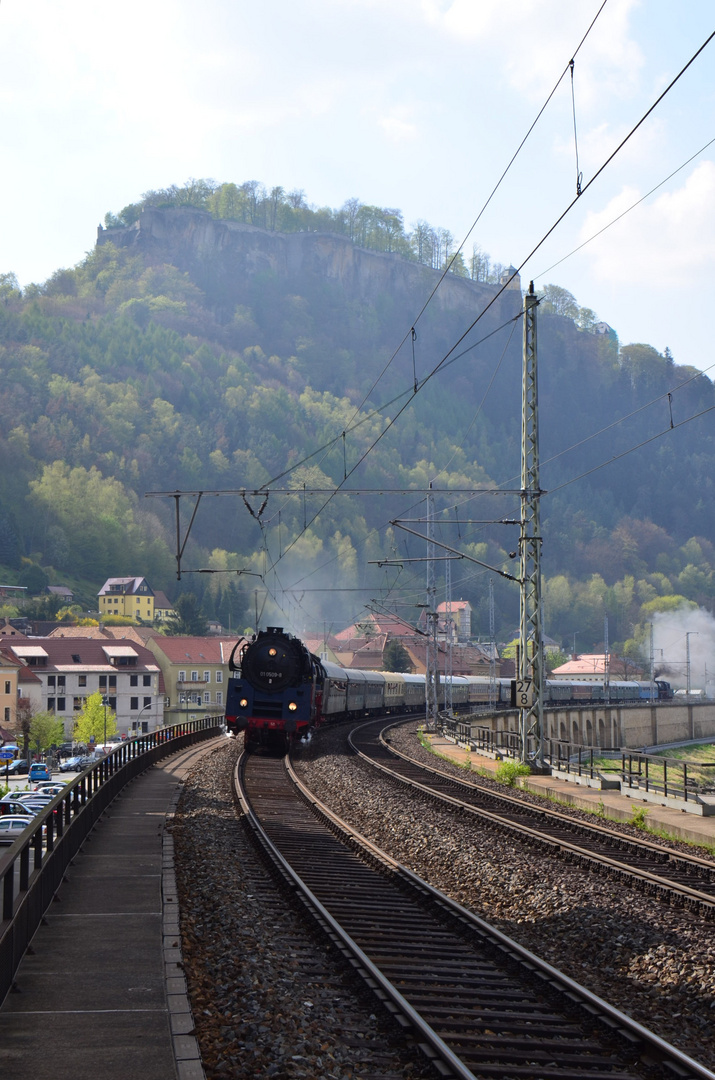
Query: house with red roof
{"points": [[195, 674], [65, 671], [591, 667]]}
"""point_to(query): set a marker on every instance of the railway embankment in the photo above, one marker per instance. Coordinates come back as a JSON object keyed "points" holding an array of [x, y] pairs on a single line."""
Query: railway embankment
{"points": [[651, 812]]}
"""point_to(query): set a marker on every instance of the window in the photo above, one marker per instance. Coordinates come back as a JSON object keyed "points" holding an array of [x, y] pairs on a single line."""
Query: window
{"points": [[102, 682], [207, 697], [7, 686], [60, 704], [134, 703], [60, 680], [146, 680], [182, 676], [82, 681], [219, 697], [194, 676], [219, 676], [50, 680], [112, 683], [77, 704], [112, 703], [207, 676], [7, 714], [50, 703], [133, 680], [147, 702]]}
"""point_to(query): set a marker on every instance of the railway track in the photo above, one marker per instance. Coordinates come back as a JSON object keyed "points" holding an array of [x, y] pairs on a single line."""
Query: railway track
{"points": [[479, 1004], [675, 877]]}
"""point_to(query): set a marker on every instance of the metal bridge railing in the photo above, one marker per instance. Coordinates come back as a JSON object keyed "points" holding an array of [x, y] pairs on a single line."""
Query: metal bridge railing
{"points": [[31, 870]]}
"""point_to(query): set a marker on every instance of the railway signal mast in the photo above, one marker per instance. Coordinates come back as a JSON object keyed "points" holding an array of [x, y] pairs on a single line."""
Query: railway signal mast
{"points": [[531, 646]]}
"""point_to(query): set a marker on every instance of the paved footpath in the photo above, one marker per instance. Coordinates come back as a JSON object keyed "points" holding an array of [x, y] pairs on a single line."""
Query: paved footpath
{"points": [[695, 828], [102, 995]]}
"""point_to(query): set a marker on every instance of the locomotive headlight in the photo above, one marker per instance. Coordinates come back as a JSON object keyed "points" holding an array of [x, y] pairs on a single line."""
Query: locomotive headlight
{"points": [[243, 702], [273, 652], [292, 706]]}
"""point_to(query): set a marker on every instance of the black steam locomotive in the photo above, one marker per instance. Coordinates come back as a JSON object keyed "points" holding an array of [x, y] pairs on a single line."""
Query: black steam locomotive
{"points": [[278, 691]]}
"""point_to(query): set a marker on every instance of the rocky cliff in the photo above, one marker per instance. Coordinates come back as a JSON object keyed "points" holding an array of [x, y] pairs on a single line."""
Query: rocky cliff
{"points": [[221, 257]]}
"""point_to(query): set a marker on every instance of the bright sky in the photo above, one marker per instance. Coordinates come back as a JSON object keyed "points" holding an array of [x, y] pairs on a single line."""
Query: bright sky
{"points": [[414, 104]]}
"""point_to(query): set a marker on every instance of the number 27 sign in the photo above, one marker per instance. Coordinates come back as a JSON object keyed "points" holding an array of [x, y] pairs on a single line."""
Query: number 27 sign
{"points": [[523, 693]]}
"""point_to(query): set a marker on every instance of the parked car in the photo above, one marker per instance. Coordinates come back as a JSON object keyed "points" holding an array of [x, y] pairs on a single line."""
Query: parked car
{"points": [[71, 764], [10, 804], [86, 760], [51, 787], [33, 796], [18, 767], [39, 771], [12, 826]]}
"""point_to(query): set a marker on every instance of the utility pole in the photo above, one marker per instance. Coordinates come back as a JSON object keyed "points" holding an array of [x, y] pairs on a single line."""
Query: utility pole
{"points": [[652, 665], [448, 701], [492, 650], [687, 659], [431, 673], [606, 662], [531, 667]]}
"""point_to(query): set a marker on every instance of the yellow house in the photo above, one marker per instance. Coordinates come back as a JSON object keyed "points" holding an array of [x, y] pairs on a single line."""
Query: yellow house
{"points": [[131, 597], [9, 671]]}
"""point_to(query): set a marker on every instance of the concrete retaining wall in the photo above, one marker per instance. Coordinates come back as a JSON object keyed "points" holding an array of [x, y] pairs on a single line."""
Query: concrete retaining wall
{"points": [[622, 725]]}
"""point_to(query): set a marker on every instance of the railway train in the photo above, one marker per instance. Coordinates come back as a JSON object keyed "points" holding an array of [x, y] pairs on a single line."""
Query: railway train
{"points": [[278, 691]]}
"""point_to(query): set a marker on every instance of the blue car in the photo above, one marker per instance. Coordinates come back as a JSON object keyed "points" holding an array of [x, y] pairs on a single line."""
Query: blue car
{"points": [[39, 771]]}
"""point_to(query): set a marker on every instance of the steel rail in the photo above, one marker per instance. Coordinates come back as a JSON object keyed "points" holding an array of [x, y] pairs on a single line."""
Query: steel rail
{"points": [[694, 897], [633, 1033], [366, 966]]}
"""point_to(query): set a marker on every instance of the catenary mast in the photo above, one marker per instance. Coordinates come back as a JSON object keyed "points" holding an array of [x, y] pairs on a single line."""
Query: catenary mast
{"points": [[531, 645]]}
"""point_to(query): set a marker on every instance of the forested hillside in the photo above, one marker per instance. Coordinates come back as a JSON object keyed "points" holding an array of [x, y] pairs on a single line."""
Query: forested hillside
{"points": [[191, 350]]}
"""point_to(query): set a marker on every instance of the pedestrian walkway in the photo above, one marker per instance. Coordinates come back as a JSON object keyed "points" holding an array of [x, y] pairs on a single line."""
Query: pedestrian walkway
{"points": [[609, 804], [102, 992]]}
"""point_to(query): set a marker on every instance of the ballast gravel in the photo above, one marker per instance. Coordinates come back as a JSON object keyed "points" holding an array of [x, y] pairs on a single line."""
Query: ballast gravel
{"points": [[654, 962], [268, 999]]}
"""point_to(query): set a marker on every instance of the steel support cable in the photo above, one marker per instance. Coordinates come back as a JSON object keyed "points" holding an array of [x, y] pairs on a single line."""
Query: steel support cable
{"points": [[613, 424], [561, 217], [540, 243], [584, 189], [480, 406], [625, 212], [379, 409], [411, 332], [632, 449], [387, 428]]}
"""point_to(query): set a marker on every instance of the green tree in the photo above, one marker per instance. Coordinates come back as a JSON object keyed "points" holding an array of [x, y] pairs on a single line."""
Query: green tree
{"points": [[34, 578], [191, 621], [395, 657], [558, 301], [45, 731], [95, 721]]}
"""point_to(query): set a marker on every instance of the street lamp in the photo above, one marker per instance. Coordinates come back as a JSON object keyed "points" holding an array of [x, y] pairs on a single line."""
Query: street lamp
{"points": [[143, 708]]}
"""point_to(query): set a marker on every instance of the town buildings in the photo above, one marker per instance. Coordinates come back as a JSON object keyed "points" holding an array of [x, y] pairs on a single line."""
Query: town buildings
{"points": [[67, 670]]}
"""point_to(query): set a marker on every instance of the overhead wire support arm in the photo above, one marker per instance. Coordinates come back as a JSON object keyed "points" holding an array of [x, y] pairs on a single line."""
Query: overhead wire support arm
{"points": [[179, 545], [460, 554]]}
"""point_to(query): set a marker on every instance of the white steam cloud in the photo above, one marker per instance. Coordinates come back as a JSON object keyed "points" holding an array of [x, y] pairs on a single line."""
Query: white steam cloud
{"points": [[679, 634]]}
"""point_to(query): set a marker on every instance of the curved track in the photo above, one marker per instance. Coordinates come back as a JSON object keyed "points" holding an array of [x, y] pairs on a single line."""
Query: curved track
{"points": [[481, 1005], [678, 878]]}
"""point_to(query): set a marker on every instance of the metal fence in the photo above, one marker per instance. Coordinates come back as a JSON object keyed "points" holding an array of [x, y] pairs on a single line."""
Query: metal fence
{"points": [[31, 870], [670, 777]]}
